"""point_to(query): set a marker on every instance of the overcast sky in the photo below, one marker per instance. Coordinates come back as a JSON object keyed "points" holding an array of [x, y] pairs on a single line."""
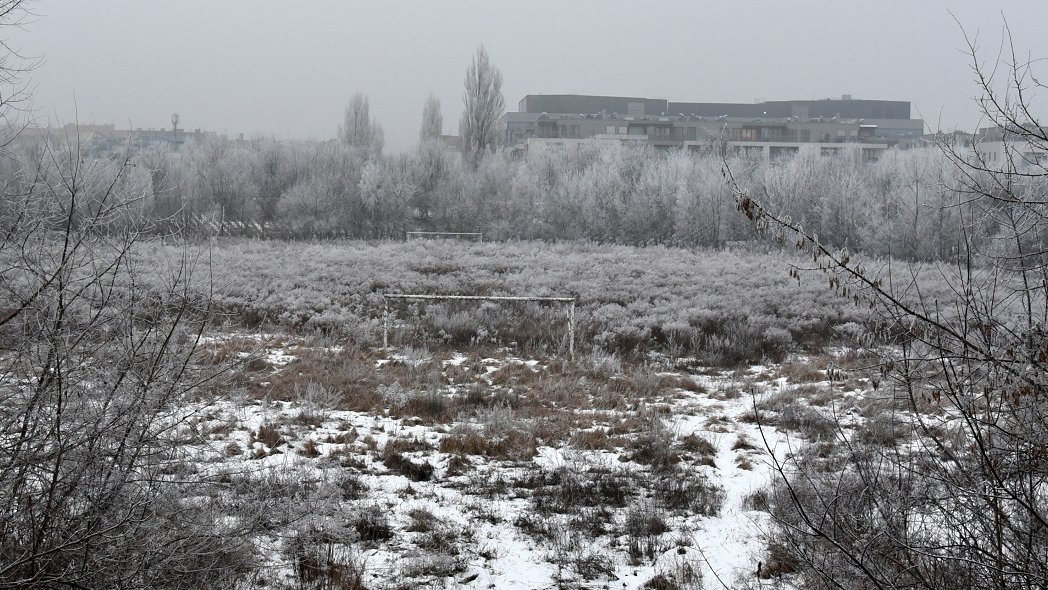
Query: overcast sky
{"points": [[288, 68]]}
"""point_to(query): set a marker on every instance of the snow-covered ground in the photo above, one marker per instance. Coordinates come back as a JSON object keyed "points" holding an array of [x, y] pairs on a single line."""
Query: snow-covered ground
{"points": [[404, 500]]}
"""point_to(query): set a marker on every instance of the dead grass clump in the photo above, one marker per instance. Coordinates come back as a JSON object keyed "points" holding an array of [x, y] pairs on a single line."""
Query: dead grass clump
{"points": [[371, 525], [884, 429], [757, 500], [431, 406], [395, 460], [268, 435], [347, 457], [808, 423], [229, 350], [743, 462], [817, 395], [654, 447], [319, 564], [645, 521], [568, 489], [350, 375], [689, 492], [514, 445], [781, 561], [682, 382], [309, 449], [458, 465], [801, 372], [742, 443], [350, 486], [698, 445], [514, 374], [596, 439]]}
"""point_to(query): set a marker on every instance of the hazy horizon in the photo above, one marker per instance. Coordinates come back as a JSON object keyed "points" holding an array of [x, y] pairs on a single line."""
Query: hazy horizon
{"points": [[259, 68]]}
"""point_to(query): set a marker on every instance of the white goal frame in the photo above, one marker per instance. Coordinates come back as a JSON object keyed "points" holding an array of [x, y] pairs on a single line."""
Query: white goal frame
{"points": [[477, 236], [570, 301]]}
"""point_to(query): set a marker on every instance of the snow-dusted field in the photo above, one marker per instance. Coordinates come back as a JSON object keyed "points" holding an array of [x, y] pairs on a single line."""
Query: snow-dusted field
{"points": [[499, 472]]}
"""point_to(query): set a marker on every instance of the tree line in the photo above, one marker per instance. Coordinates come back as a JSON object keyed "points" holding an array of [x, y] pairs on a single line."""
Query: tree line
{"points": [[901, 205]]}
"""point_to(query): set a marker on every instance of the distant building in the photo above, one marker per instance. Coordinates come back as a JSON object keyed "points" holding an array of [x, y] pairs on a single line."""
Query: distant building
{"points": [[769, 129], [1006, 149], [106, 140]]}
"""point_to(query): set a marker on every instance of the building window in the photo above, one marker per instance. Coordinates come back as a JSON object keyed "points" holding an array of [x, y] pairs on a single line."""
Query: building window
{"points": [[776, 152], [692, 133]]}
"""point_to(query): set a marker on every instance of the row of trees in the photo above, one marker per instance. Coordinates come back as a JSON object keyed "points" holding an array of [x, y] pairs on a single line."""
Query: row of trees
{"points": [[611, 193]]}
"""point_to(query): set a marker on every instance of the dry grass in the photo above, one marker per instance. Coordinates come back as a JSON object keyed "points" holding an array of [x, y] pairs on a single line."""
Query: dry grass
{"points": [[309, 449], [596, 439], [802, 371], [515, 445], [742, 443], [269, 435]]}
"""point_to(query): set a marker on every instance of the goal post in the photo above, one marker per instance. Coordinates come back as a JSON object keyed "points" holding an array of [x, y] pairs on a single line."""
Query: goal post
{"points": [[569, 301], [475, 236]]}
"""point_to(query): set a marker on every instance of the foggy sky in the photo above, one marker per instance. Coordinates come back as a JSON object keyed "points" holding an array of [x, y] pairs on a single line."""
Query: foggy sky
{"points": [[287, 69]]}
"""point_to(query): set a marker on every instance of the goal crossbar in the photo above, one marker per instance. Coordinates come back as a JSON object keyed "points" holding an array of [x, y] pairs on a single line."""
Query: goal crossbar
{"points": [[568, 300], [479, 297], [409, 234]]}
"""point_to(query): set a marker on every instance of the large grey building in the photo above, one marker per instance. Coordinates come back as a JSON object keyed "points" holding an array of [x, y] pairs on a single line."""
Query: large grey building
{"points": [[769, 128]]}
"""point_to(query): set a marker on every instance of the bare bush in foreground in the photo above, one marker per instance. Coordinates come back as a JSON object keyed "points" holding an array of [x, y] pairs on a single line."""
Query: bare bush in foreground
{"points": [[963, 505]]}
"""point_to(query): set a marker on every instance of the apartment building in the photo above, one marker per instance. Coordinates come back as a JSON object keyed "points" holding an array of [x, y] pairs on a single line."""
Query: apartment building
{"points": [[769, 129], [1009, 149]]}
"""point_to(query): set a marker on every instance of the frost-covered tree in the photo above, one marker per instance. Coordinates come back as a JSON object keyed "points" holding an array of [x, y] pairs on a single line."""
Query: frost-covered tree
{"points": [[359, 131], [432, 120], [483, 104]]}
